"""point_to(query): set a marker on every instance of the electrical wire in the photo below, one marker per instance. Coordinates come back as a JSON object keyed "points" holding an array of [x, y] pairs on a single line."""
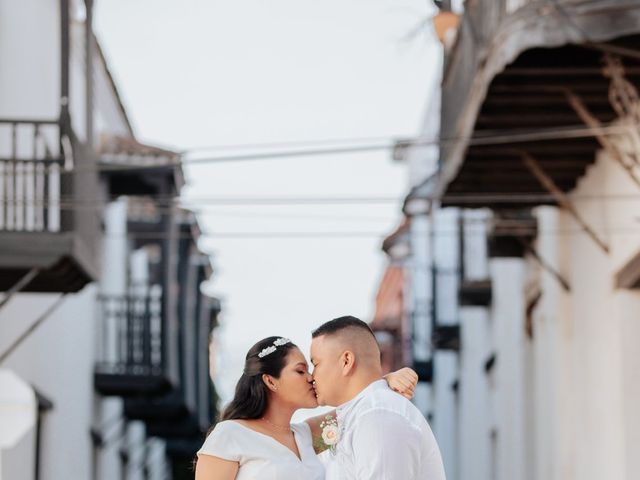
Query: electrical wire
{"points": [[290, 143], [196, 204], [484, 139], [518, 230], [328, 234]]}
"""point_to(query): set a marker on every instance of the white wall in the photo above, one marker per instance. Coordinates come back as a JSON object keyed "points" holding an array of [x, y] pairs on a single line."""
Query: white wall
{"points": [[584, 356], [57, 359], [564, 402], [29, 29], [594, 377]]}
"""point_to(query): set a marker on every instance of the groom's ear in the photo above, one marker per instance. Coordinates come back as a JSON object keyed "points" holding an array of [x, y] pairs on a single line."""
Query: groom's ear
{"points": [[347, 362]]}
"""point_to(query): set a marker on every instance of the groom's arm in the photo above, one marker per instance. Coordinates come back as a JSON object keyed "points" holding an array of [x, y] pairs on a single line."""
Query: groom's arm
{"points": [[385, 447]]}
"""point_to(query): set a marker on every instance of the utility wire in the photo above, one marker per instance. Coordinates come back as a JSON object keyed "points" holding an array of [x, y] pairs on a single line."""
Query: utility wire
{"points": [[484, 139], [498, 138], [199, 203], [328, 234], [212, 235], [291, 143]]}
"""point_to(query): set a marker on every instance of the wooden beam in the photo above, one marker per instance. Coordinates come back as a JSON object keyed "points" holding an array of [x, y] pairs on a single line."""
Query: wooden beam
{"points": [[490, 175], [562, 199], [616, 49], [561, 71], [547, 266], [546, 87], [19, 285], [541, 99], [516, 186], [47, 313], [479, 165], [578, 146], [629, 275], [594, 124], [552, 118]]}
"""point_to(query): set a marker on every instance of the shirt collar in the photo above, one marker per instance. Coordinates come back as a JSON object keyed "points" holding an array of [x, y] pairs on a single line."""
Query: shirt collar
{"points": [[346, 407]]}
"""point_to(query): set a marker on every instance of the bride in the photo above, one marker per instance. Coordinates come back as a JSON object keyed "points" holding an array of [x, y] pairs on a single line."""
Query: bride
{"points": [[255, 437]]}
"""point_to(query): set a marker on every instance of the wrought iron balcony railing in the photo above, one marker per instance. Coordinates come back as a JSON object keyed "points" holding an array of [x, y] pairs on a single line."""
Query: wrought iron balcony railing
{"points": [[46, 233], [131, 356], [31, 160]]}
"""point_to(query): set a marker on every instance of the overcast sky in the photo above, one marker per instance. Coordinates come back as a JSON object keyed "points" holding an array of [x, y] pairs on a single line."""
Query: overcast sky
{"points": [[199, 73]]}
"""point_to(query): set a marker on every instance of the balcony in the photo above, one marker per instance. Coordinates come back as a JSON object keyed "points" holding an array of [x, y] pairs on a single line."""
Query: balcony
{"points": [[527, 72], [511, 233], [446, 337], [476, 293], [132, 353], [173, 416], [48, 201]]}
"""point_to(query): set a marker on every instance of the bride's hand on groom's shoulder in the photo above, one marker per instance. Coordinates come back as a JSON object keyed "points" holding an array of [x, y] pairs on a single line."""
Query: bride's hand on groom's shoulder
{"points": [[403, 381]]}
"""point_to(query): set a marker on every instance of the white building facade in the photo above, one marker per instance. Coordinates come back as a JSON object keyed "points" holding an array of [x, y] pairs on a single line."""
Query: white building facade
{"points": [[533, 245], [72, 237]]}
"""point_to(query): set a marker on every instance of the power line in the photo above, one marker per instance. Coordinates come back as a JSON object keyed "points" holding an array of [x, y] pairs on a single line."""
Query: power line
{"points": [[497, 138], [436, 231], [485, 139], [521, 230], [199, 203], [291, 143]]}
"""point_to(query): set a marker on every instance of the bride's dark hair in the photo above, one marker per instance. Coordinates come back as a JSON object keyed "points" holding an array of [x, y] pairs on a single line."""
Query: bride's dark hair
{"points": [[251, 396]]}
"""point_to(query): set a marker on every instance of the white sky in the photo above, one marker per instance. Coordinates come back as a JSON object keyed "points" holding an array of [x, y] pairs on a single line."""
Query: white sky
{"points": [[195, 73]]}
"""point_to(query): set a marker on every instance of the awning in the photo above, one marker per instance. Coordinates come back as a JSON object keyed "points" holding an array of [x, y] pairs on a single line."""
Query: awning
{"points": [[506, 91], [18, 409]]}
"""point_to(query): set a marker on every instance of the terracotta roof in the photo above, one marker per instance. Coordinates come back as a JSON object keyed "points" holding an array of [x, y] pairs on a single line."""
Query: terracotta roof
{"points": [[397, 235], [119, 145], [390, 300]]}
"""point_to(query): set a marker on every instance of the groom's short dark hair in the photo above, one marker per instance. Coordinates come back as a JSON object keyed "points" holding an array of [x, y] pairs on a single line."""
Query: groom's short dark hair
{"points": [[340, 323]]}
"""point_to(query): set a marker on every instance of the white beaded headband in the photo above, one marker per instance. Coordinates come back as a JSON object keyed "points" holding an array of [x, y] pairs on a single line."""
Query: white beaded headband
{"points": [[272, 348]]}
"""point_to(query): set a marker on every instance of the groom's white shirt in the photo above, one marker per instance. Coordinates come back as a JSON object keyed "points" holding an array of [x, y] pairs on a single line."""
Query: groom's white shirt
{"points": [[383, 437]]}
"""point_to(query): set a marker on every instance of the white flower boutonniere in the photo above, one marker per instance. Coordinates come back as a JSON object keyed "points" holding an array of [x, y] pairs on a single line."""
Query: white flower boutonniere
{"points": [[330, 433]]}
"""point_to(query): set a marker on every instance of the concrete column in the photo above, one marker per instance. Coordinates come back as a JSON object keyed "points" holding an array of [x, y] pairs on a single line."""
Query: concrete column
{"points": [[445, 260], [508, 276], [421, 302], [475, 410], [113, 283]]}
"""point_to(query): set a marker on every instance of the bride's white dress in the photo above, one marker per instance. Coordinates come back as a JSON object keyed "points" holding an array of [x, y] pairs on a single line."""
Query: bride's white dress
{"points": [[262, 457]]}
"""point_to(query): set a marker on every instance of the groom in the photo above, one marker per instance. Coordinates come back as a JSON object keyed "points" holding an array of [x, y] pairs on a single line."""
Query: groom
{"points": [[383, 436]]}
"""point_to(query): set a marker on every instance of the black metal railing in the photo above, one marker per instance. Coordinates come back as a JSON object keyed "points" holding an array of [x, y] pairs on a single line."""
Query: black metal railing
{"points": [[131, 334], [31, 162]]}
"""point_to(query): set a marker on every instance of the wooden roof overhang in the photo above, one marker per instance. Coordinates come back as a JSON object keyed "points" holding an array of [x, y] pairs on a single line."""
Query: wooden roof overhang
{"points": [[508, 95]]}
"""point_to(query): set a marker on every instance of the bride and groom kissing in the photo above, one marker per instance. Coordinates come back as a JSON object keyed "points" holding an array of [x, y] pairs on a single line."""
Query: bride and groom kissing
{"points": [[374, 433]]}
